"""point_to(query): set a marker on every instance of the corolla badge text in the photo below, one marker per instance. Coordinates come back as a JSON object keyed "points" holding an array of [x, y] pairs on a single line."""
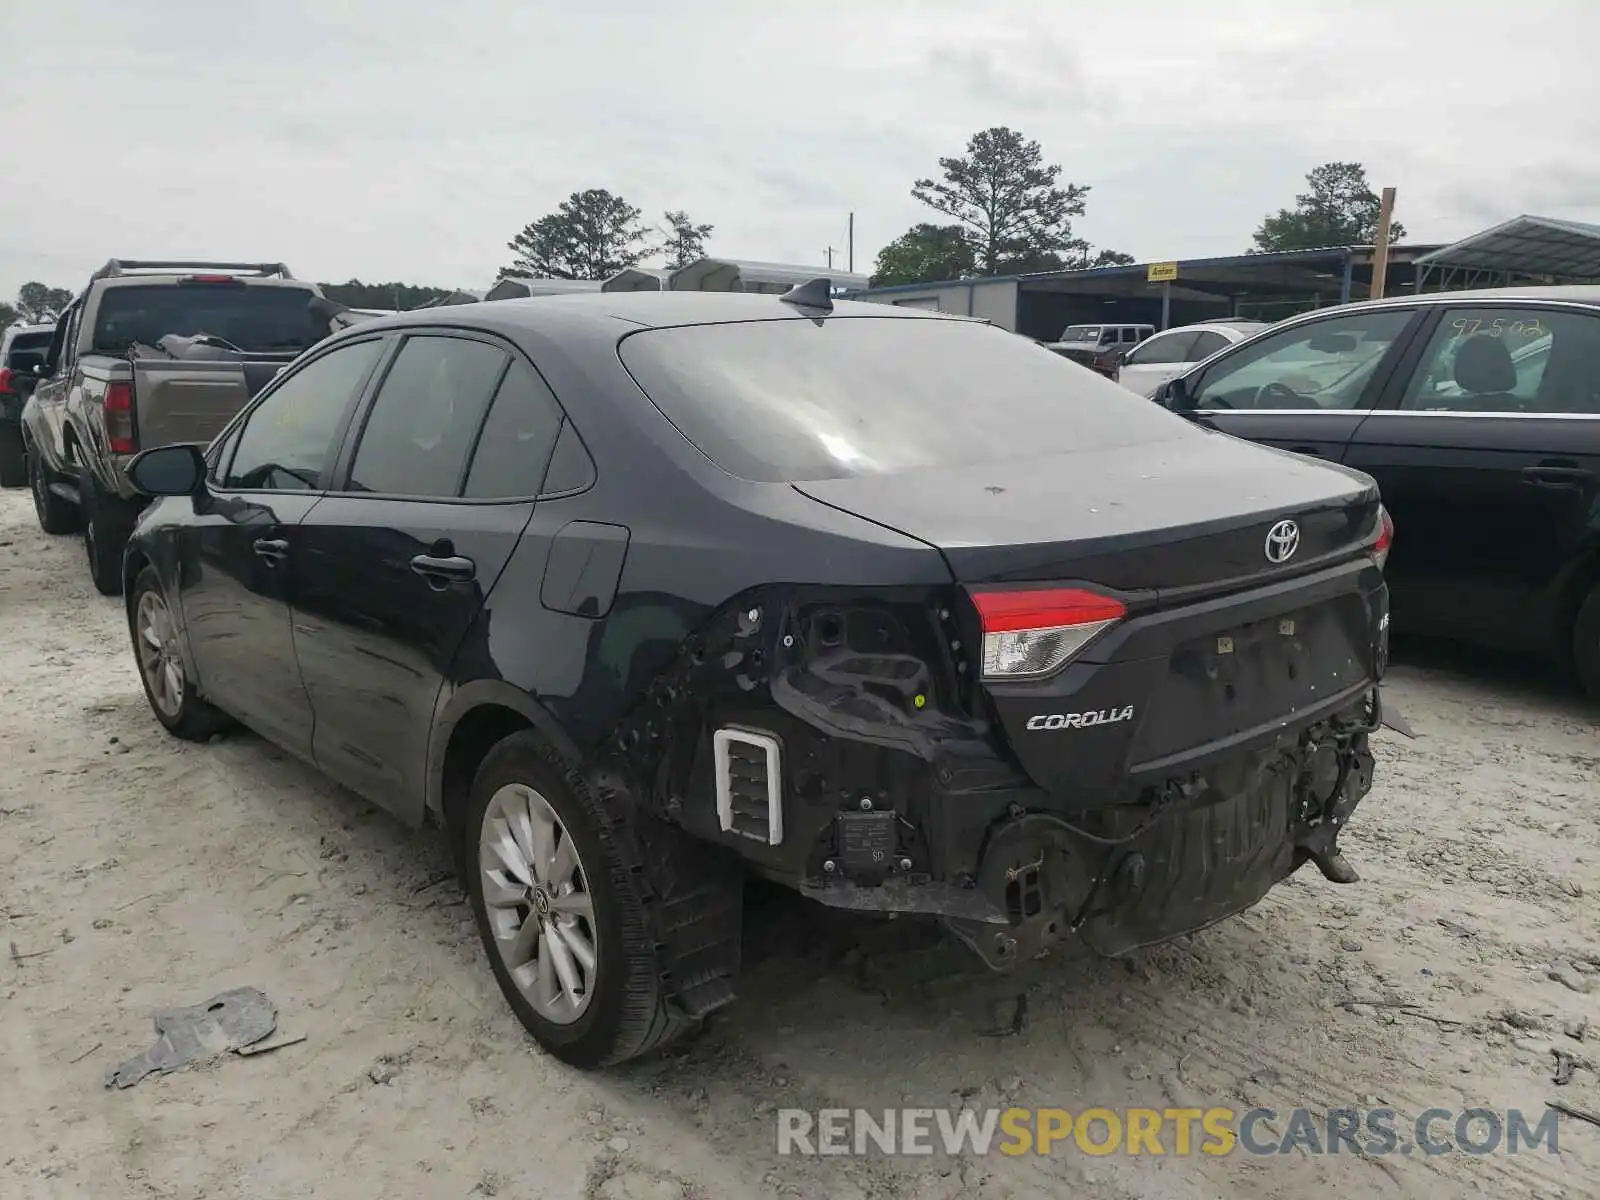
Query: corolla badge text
{"points": [[1080, 720]]}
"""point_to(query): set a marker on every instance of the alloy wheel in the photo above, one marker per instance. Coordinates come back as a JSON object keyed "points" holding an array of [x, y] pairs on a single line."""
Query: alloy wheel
{"points": [[536, 895], [156, 638], [41, 488]]}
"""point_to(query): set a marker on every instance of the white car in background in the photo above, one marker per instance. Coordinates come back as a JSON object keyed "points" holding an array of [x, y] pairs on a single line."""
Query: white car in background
{"points": [[1170, 353]]}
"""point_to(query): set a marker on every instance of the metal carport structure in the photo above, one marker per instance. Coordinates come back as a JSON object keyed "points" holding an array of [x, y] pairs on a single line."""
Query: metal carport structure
{"points": [[748, 275], [518, 287], [1265, 286], [1524, 249], [638, 279]]}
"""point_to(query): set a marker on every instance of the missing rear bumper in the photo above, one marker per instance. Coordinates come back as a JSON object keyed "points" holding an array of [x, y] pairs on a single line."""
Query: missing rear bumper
{"points": [[1212, 850]]}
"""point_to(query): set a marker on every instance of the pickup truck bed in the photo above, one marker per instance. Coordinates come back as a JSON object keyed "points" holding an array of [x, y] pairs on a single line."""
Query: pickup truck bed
{"points": [[153, 354]]}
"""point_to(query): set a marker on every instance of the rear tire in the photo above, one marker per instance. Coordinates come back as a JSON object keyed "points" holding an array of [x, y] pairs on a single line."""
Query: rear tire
{"points": [[107, 522], [13, 458], [1586, 643], [622, 1012], [173, 696], [56, 514]]}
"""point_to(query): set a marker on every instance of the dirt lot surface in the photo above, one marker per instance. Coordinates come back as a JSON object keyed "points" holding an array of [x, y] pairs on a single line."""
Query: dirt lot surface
{"points": [[138, 872]]}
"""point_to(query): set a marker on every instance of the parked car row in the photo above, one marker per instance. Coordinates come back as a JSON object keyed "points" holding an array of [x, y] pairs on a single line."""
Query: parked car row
{"points": [[1478, 414], [633, 596], [1099, 347], [1170, 353], [22, 349], [148, 354]]}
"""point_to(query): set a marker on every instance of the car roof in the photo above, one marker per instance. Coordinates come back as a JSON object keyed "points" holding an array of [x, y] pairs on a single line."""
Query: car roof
{"points": [[1577, 293], [10, 335], [1220, 327]]}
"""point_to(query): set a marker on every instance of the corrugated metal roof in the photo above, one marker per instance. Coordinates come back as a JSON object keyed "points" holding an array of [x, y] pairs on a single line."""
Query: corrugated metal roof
{"points": [[514, 287], [751, 275], [1328, 257], [1526, 245], [638, 279]]}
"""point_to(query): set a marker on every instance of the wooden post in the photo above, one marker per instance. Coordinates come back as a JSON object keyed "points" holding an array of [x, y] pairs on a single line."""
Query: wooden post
{"points": [[1380, 252]]}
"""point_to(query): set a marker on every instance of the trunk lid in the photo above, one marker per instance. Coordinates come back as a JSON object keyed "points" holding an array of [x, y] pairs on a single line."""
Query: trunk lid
{"points": [[1215, 648], [1180, 515]]}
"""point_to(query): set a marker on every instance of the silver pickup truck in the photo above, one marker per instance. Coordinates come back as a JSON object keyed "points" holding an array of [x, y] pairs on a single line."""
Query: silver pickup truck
{"points": [[151, 354]]}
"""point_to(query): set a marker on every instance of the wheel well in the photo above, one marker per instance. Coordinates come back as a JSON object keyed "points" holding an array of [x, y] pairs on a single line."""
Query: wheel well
{"points": [[1582, 580], [133, 562], [478, 732]]}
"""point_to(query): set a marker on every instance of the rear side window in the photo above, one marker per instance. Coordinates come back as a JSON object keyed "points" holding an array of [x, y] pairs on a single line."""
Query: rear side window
{"points": [[1510, 360], [514, 448], [252, 317], [27, 351], [72, 321], [1165, 348], [797, 399], [1205, 345], [425, 416]]}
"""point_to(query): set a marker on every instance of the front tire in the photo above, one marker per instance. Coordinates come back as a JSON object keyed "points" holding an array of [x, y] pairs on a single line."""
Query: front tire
{"points": [[172, 695], [56, 514], [107, 522], [559, 911]]}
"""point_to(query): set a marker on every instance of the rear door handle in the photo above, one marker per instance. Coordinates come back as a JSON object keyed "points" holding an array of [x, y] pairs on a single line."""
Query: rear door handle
{"points": [[273, 550], [448, 569], [1555, 476]]}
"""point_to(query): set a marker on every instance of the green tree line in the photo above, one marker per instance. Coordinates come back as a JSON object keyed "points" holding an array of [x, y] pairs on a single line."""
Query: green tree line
{"points": [[1006, 211]]}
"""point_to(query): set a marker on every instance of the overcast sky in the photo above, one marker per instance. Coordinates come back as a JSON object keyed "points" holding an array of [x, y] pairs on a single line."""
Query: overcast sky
{"points": [[410, 140]]}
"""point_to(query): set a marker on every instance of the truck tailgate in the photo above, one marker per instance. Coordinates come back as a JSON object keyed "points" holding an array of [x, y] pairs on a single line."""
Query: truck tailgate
{"points": [[179, 401]]}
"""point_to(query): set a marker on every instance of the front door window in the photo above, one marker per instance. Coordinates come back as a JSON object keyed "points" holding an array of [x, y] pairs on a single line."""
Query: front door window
{"points": [[1319, 365]]}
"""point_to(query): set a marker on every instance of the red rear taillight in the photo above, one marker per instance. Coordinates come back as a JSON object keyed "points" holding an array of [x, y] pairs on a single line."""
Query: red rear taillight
{"points": [[119, 417], [6, 386], [1028, 634], [1380, 549], [210, 279]]}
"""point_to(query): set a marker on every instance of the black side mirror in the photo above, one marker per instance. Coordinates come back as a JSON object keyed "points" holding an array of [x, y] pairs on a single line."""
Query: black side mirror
{"points": [[1176, 396], [168, 471], [1332, 343]]}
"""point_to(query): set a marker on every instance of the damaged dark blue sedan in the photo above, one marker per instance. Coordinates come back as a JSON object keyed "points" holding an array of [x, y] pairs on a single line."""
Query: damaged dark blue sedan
{"points": [[637, 595]]}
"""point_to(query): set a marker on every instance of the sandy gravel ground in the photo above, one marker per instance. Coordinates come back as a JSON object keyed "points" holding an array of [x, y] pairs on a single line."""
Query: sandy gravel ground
{"points": [[138, 872]]}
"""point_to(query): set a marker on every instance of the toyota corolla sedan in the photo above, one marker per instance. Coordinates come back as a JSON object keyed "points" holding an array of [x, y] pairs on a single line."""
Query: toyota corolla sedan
{"points": [[637, 596]]}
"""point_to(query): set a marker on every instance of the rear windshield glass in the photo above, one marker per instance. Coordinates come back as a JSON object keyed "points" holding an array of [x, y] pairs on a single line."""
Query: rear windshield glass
{"points": [[1081, 333], [782, 401], [27, 349], [251, 317]]}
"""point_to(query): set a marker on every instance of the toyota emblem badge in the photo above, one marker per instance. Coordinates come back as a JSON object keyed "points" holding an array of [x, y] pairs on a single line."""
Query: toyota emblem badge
{"points": [[1283, 539]]}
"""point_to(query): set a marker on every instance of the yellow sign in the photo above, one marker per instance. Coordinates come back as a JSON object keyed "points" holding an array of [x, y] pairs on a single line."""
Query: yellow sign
{"points": [[1162, 272]]}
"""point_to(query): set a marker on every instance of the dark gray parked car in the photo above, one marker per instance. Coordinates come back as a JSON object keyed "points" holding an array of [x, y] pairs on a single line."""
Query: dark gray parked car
{"points": [[1478, 413], [22, 349]]}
